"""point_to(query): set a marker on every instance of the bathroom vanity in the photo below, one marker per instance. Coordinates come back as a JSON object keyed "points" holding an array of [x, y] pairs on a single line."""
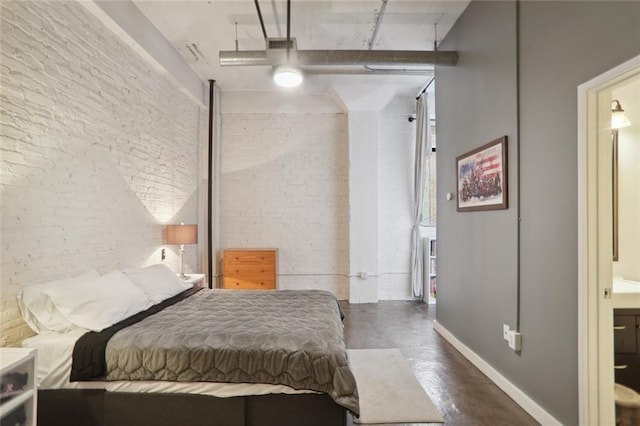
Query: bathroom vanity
{"points": [[626, 324]]}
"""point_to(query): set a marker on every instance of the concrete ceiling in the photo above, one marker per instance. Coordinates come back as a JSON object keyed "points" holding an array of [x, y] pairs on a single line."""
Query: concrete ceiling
{"points": [[200, 29]]}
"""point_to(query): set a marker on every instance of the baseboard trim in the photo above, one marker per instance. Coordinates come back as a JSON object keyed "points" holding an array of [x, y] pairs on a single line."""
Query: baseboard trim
{"points": [[527, 404]]}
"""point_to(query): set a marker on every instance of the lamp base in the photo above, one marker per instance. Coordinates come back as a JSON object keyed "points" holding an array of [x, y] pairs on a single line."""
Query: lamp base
{"points": [[182, 276]]}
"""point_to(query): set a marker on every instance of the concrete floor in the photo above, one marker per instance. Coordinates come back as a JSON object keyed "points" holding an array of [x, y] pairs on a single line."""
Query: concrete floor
{"points": [[464, 396]]}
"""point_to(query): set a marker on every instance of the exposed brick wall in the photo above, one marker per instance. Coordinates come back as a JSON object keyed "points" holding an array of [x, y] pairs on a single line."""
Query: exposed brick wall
{"points": [[97, 151], [285, 184]]}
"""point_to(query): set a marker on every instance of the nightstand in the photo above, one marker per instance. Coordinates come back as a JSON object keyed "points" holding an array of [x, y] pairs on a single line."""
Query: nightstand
{"points": [[18, 394], [196, 279]]}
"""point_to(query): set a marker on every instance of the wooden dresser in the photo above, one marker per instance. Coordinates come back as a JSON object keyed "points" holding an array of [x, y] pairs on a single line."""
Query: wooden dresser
{"points": [[249, 269]]}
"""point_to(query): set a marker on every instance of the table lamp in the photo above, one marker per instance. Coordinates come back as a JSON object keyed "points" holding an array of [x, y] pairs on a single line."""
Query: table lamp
{"points": [[182, 234]]}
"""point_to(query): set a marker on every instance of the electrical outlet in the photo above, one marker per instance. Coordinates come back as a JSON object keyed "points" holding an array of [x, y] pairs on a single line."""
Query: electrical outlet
{"points": [[515, 340], [505, 331]]}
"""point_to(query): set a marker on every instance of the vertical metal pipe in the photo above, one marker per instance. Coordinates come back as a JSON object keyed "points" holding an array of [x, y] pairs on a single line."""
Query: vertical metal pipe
{"points": [[288, 28], [518, 175], [264, 31], [210, 188]]}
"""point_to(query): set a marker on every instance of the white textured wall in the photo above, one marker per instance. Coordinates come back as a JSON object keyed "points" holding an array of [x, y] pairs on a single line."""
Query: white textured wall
{"points": [[396, 146], [297, 170], [284, 184], [363, 205], [97, 151]]}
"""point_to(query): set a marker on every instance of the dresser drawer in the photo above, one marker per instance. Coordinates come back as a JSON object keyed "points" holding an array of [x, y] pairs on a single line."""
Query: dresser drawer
{"points": [[249, 257], [625, 334], [249, 269], [248, 284]]}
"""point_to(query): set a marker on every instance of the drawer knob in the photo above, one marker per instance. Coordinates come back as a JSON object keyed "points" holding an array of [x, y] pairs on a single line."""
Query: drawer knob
{"points": [[237, 270]]}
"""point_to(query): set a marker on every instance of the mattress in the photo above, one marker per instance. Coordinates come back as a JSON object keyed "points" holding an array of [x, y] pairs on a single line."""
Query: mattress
{"points": [[54, 368]]}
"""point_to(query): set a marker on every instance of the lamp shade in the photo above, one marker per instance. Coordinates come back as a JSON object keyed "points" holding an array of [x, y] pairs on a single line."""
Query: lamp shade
{"points": [[182, 234], [618, 117]]}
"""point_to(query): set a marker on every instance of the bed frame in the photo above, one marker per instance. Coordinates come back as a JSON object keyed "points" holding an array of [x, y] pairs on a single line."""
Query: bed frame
{"points": [[83, 407]]}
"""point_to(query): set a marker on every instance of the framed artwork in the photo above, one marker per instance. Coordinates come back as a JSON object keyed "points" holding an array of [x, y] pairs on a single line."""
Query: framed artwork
{"points": [[482, 177]]}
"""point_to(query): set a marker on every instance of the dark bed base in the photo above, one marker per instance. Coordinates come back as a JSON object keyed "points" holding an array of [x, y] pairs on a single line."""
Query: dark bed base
{"points": [[75, 407]]}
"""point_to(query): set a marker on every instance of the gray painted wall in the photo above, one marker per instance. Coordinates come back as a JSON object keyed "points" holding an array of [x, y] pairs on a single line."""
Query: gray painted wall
{"points": [[562, 45]]}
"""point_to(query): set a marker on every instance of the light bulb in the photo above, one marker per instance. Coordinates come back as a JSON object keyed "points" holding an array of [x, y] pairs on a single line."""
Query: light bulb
{"points": [[287, 76]]}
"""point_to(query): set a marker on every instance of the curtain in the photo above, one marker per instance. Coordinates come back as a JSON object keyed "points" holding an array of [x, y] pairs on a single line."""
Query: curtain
{"points": [[422, 136]]}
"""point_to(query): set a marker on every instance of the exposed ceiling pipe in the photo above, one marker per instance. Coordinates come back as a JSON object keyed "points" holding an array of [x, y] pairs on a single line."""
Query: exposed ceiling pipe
{"points": [[366, 71], [365, 58], [342, 57], [377, 25]]}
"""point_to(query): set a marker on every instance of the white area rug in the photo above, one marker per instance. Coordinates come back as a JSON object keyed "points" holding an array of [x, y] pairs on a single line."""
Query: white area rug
{"points": [[388, 390]]}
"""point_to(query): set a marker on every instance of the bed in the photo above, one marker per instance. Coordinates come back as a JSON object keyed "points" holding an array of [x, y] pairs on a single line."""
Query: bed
{"points": [[203, 357]]}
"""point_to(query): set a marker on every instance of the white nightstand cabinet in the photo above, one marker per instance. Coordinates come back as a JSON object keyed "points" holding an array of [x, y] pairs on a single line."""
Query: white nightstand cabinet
{"points": [[196, 279], [18, 395]]}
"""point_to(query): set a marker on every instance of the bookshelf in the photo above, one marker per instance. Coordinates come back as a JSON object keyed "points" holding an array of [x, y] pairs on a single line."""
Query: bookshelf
{"points": [[432, 275]]}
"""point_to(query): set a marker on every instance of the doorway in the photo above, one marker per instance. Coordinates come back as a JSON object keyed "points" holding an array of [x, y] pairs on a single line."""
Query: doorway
{"points": [[595, 243]]}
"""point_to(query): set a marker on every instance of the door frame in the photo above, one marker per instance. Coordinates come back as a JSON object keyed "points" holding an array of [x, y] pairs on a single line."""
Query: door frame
{"points": [[594, 252]]}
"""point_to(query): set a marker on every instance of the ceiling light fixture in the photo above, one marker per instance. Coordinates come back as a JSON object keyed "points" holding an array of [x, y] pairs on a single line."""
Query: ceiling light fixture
{"points": [[618, 117], [288, 75]]}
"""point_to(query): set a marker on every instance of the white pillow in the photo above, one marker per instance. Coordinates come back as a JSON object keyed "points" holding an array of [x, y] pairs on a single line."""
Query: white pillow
{"points": [[39, 311], [101, 302], [157, 281]]}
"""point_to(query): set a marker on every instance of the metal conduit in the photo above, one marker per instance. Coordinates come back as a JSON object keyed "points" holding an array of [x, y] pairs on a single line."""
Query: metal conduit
{"points": [[367, 71], [264, 30], [343, 57], [377, 24]]}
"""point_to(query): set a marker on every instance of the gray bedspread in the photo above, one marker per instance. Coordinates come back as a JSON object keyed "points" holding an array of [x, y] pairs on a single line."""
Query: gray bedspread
{"points": [[293, 338]]}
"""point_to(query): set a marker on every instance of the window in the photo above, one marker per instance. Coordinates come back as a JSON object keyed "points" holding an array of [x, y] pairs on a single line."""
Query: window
{"points": [[429, 197]]}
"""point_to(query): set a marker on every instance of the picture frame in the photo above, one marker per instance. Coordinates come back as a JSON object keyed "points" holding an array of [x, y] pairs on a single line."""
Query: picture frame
{"points": [[481, 177]]}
